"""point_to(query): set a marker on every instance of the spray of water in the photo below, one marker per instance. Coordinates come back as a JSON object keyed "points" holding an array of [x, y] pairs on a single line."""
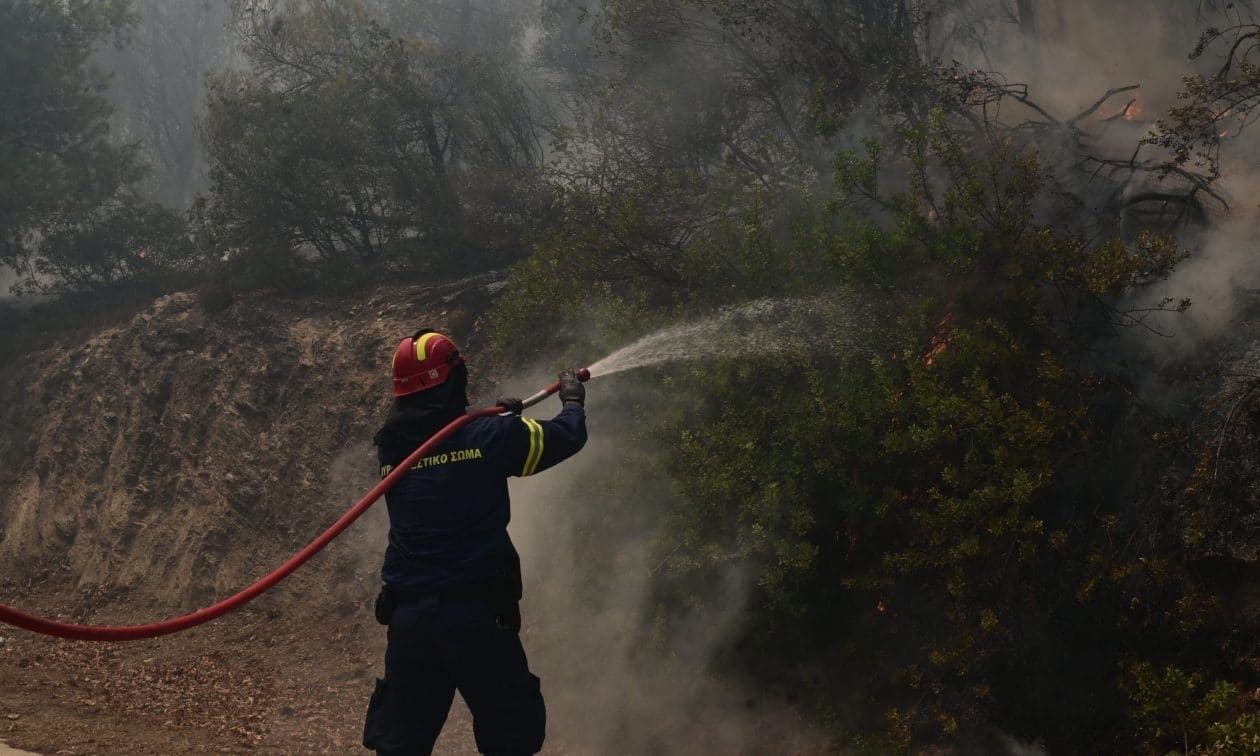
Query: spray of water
{"points": [[762, 326]]}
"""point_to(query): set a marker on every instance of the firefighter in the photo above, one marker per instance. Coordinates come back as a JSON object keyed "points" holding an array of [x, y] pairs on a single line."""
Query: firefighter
{"points": [[451, 577]]}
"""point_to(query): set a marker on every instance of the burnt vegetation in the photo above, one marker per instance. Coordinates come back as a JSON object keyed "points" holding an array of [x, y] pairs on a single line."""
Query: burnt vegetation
{"points": [[1002, 517]]}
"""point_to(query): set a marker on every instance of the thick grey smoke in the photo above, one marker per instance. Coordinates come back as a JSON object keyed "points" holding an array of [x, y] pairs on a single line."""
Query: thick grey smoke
{"points": [[1216, 279], [1071, 52], [617, 680]]}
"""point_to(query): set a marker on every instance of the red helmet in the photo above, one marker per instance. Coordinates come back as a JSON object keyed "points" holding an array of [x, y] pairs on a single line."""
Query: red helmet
{"points": [[422, 361]]}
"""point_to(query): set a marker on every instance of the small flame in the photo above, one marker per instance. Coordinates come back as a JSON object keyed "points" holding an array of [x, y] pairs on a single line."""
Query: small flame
{"points": [[1133, 111], [939, 341]]}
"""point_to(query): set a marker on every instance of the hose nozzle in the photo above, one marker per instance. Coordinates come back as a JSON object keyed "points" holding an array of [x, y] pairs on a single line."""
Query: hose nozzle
{"points": [[582, 374]]}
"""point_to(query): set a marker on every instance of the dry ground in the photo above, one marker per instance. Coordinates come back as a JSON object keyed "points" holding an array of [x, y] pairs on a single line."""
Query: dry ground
{"points": [[153, 464]]}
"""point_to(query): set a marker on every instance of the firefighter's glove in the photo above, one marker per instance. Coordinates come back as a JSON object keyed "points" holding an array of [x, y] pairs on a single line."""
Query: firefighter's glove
{"points": [[571, 389], [511, 404]]}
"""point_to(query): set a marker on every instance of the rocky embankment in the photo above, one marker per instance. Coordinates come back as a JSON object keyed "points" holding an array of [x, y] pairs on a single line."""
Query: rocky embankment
{"points": [[153, 465]]}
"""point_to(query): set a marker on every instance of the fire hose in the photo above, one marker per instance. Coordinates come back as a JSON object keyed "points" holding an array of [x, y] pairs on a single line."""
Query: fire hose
{"points": [[17, 618]]}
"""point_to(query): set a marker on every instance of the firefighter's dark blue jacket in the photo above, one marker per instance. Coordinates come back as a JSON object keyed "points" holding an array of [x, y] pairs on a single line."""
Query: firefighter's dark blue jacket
{"points": [[449, 515]]}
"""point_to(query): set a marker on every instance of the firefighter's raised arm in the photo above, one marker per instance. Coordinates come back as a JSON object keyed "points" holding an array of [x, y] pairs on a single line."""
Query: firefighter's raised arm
{"points": [[535, 445]]}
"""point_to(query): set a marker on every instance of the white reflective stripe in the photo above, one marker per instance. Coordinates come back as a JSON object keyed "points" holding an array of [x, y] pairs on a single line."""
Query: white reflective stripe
{"points": [[535, 446]]}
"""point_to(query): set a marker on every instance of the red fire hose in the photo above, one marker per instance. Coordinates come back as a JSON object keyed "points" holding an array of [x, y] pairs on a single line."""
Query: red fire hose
{"points": [[12, 616]]}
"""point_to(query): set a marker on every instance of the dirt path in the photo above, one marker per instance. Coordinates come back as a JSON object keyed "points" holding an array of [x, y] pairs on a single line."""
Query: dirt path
{"points": [[281, 676], [252, 684]]}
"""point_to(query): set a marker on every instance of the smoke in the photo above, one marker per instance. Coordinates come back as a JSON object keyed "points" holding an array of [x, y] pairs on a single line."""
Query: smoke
{"points": [[1016, 748], [351, 473], [7, 279], [1070, 53], [619, 675], [1216, 279], [157, 89]]}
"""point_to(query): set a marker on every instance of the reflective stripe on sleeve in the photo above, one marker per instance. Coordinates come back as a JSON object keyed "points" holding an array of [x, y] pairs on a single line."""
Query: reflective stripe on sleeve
{"points": [[535, 446]]}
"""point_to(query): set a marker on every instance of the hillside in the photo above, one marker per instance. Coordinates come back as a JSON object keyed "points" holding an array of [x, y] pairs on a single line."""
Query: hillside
{"points": [[159, 463]]}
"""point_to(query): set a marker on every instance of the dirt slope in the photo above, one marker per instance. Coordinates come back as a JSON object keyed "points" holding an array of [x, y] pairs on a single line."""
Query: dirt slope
{"points": [[152, 466]]}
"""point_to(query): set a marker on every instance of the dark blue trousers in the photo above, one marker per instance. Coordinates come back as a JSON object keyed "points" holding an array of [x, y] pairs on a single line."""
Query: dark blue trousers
{"points": [[437, 647]]}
